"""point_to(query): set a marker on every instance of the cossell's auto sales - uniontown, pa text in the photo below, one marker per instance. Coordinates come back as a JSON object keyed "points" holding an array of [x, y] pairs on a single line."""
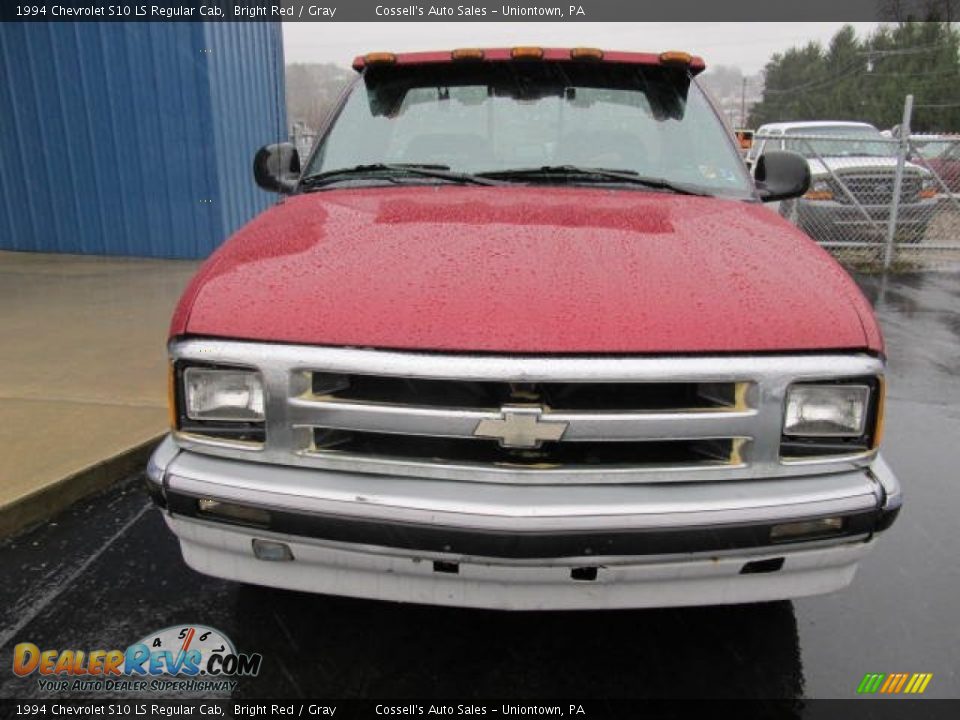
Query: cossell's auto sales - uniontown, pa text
{"points": [[576, 11]]}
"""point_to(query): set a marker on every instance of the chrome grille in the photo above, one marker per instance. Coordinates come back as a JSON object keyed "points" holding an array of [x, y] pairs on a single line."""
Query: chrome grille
{"points": [[522, 419], [876, 188], [538, 426]]}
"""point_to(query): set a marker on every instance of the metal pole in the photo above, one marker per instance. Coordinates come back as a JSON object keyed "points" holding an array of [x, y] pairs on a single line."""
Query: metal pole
{"points": [[743, 103], [898, 180]]}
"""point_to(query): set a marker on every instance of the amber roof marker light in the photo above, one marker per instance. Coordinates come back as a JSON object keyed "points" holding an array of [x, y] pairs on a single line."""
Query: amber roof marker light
{"points": [[380, 58], [374, 58], [675, 57], [585, 53], [526, 53], [467, 54]]}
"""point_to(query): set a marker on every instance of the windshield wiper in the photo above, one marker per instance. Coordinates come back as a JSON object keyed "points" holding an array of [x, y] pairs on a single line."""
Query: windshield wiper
{"points": [[590, 173], [391, 171]]}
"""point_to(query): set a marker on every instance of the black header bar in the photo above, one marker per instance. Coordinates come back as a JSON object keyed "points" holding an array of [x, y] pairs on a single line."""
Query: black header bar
{"points": [[474, 11], [473, 709]]}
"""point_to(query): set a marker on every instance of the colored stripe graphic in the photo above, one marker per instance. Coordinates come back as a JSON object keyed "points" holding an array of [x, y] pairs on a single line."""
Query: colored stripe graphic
{"points": [[870, 683], [900, 682], [923, 679], [894, 683], [889, 683]]}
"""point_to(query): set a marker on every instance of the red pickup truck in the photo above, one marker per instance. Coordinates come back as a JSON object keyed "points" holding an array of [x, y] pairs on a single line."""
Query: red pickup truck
{"points": [[521, 334]]}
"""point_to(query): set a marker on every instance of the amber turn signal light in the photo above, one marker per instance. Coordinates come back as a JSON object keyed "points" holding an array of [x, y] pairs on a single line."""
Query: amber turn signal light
{"points": [[171, 396], [881, 398]]}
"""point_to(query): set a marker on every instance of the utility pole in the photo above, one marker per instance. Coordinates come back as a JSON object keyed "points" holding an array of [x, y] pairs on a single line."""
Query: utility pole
{"points": [[743, 102], [902, 150]]}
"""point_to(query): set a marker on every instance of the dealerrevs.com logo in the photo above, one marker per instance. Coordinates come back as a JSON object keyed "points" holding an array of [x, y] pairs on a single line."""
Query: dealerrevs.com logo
{"points": [[179, 658]]}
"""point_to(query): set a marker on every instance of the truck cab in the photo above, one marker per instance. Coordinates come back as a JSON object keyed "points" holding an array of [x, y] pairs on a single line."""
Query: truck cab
{"points": [[520, 334]]}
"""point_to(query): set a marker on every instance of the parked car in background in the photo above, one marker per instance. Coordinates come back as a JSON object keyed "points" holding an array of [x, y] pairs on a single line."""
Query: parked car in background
{"points": [[853, 173], [941, 155], [522, 336]]}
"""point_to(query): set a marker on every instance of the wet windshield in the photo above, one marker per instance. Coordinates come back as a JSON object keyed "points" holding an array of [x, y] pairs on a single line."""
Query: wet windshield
{"points": [[481, 118], [852, 141], [932, 150]]}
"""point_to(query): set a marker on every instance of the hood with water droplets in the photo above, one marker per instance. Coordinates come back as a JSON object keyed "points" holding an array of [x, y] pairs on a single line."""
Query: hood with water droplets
{"points": [[524, 269]]}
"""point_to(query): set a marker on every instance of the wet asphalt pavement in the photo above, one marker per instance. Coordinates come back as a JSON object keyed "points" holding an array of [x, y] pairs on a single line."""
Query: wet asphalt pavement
{"points": [[107, 571]]}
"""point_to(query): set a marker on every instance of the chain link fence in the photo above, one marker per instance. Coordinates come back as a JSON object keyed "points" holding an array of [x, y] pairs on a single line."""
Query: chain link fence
{"points": [[875, 201]]}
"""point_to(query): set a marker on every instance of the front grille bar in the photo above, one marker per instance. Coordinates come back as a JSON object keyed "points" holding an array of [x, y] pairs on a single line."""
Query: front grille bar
{"points": [[581, 426]]}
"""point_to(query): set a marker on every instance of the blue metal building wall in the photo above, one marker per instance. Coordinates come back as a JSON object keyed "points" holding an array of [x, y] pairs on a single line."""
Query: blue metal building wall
{"points": [[246, 60], [134, 138]]}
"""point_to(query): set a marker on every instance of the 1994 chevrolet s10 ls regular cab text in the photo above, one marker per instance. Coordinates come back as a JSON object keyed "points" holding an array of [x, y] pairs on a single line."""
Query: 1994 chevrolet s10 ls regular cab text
{"points": [[523, 336]]}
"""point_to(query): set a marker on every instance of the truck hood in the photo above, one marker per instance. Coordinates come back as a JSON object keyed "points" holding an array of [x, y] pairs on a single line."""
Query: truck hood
{"points": [[526, 270], [871, 164]]}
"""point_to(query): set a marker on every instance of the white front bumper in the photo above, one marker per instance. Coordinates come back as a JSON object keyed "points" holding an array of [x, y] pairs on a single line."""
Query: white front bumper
{"points": [[622, 583], [514, 547]]}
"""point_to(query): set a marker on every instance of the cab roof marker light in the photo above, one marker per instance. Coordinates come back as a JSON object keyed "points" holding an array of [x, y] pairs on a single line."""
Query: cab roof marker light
{"points": [[467, 54], [675, 57], [379, 58], [526, 53], [585, 53]]}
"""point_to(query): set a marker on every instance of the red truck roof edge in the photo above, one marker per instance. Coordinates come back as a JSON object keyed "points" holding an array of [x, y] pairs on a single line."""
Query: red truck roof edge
{"points": [[694, 63]]}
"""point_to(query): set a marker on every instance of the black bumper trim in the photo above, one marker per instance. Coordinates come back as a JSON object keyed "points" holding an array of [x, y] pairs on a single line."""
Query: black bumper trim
{"points": [[518, 545], [886, 518], [155, 492]]}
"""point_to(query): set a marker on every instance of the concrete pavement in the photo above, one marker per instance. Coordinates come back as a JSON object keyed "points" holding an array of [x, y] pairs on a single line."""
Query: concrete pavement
{"points": [[82, 373]]}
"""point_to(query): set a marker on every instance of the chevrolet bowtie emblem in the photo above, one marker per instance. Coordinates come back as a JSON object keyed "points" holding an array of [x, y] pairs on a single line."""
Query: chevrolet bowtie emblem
{"points": [[520, 426]]}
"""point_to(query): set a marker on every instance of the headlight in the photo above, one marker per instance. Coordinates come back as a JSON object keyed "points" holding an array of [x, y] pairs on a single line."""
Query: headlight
{"points": [[220, 403], [222, 395], [826, 410], [929, 187]]}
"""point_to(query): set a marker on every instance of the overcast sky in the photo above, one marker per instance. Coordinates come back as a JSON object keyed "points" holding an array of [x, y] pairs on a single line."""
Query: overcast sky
{"points": [[747, 45]]}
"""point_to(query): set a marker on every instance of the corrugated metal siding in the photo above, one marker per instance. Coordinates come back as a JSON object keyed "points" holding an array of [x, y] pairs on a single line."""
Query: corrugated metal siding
{"points": [[134, 138], [247, 92]]}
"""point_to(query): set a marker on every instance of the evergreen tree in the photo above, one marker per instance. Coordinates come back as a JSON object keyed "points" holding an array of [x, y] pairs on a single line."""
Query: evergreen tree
{"points": [[867, 79]]}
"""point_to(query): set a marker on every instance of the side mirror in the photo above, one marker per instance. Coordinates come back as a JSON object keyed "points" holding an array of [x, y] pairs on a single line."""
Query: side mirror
{"points": [[276, 167], [781, 175]]}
